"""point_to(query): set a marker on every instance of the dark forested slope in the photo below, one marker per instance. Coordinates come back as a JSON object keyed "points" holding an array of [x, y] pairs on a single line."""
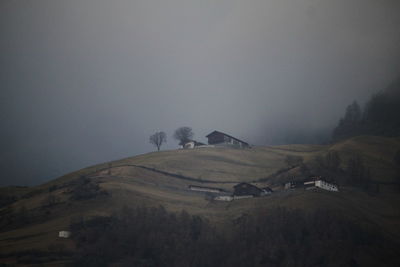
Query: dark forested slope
{"points": [[380, 116]]}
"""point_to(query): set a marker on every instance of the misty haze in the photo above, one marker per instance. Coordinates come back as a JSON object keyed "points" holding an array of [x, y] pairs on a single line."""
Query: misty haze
{"points": [[85, 82], [215, 117]]}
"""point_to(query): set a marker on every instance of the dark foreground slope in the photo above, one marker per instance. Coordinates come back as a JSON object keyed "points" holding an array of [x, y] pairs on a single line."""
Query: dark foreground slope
{"points": [[106, 204]]}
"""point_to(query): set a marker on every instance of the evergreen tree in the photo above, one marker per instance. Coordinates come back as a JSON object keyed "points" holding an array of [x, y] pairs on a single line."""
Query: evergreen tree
{"points": [[350, 124]]}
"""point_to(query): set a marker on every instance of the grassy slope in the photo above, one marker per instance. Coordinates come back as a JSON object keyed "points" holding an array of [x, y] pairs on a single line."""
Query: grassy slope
{"points": [[377, 152], [133, 186]]}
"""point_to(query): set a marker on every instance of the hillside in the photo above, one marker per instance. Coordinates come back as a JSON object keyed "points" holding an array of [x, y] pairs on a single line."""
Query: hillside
{"points": [[33, 219]]}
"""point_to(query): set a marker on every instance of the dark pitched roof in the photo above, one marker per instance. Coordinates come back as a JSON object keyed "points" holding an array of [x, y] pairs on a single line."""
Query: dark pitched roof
{"points": [[214, 132], [245, 185]]}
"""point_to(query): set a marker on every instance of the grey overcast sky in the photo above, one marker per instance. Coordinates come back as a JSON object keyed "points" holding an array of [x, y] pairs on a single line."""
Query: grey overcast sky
{"points": [[87, 81]]}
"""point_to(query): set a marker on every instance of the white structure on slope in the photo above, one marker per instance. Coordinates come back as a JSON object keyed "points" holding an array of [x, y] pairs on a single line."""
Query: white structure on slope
{"points": [[64, 234], [327, 186], [205, 189], [243, 196], [223, 198], [321, 184]]}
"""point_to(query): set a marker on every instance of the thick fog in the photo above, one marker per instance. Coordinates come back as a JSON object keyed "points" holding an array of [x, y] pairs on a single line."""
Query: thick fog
{"points": [[87, 81]]}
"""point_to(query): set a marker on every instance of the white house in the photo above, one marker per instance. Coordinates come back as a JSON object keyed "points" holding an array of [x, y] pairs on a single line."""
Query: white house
{"points": [[64, 234], [327, 186], [320, 184]]}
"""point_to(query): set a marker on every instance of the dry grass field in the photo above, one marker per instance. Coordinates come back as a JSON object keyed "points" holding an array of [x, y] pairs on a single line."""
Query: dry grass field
{"points": [[134, 182]]}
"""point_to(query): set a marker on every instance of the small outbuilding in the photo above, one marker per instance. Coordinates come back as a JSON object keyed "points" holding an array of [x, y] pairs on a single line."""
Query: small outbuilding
{"points": [[326, 186], [64, 234], [224, 198], [205, 189], [320, 184]]}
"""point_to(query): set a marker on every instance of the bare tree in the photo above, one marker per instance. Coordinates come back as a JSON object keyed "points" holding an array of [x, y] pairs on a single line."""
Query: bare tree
{"points": [[183, 134], [158, 139]]}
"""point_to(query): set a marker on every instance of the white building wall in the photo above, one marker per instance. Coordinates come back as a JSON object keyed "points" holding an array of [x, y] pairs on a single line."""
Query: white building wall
{"points": [[224, 198], [200, 189], [241, 197], [326, 186], [189, 145], [64, 234]]}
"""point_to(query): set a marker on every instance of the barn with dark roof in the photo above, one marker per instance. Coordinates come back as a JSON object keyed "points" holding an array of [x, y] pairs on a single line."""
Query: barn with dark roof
{"points": [[220, 138]]}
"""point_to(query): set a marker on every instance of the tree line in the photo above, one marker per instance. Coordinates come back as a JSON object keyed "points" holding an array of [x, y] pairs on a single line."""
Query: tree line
{"points": [[274, 237], [380, 116]]}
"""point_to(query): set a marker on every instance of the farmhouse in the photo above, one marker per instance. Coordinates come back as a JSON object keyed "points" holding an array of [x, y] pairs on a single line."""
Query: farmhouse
{"points": [[325, 185], [205, 189], [219, 138], [320, 184], [246, 189]]}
